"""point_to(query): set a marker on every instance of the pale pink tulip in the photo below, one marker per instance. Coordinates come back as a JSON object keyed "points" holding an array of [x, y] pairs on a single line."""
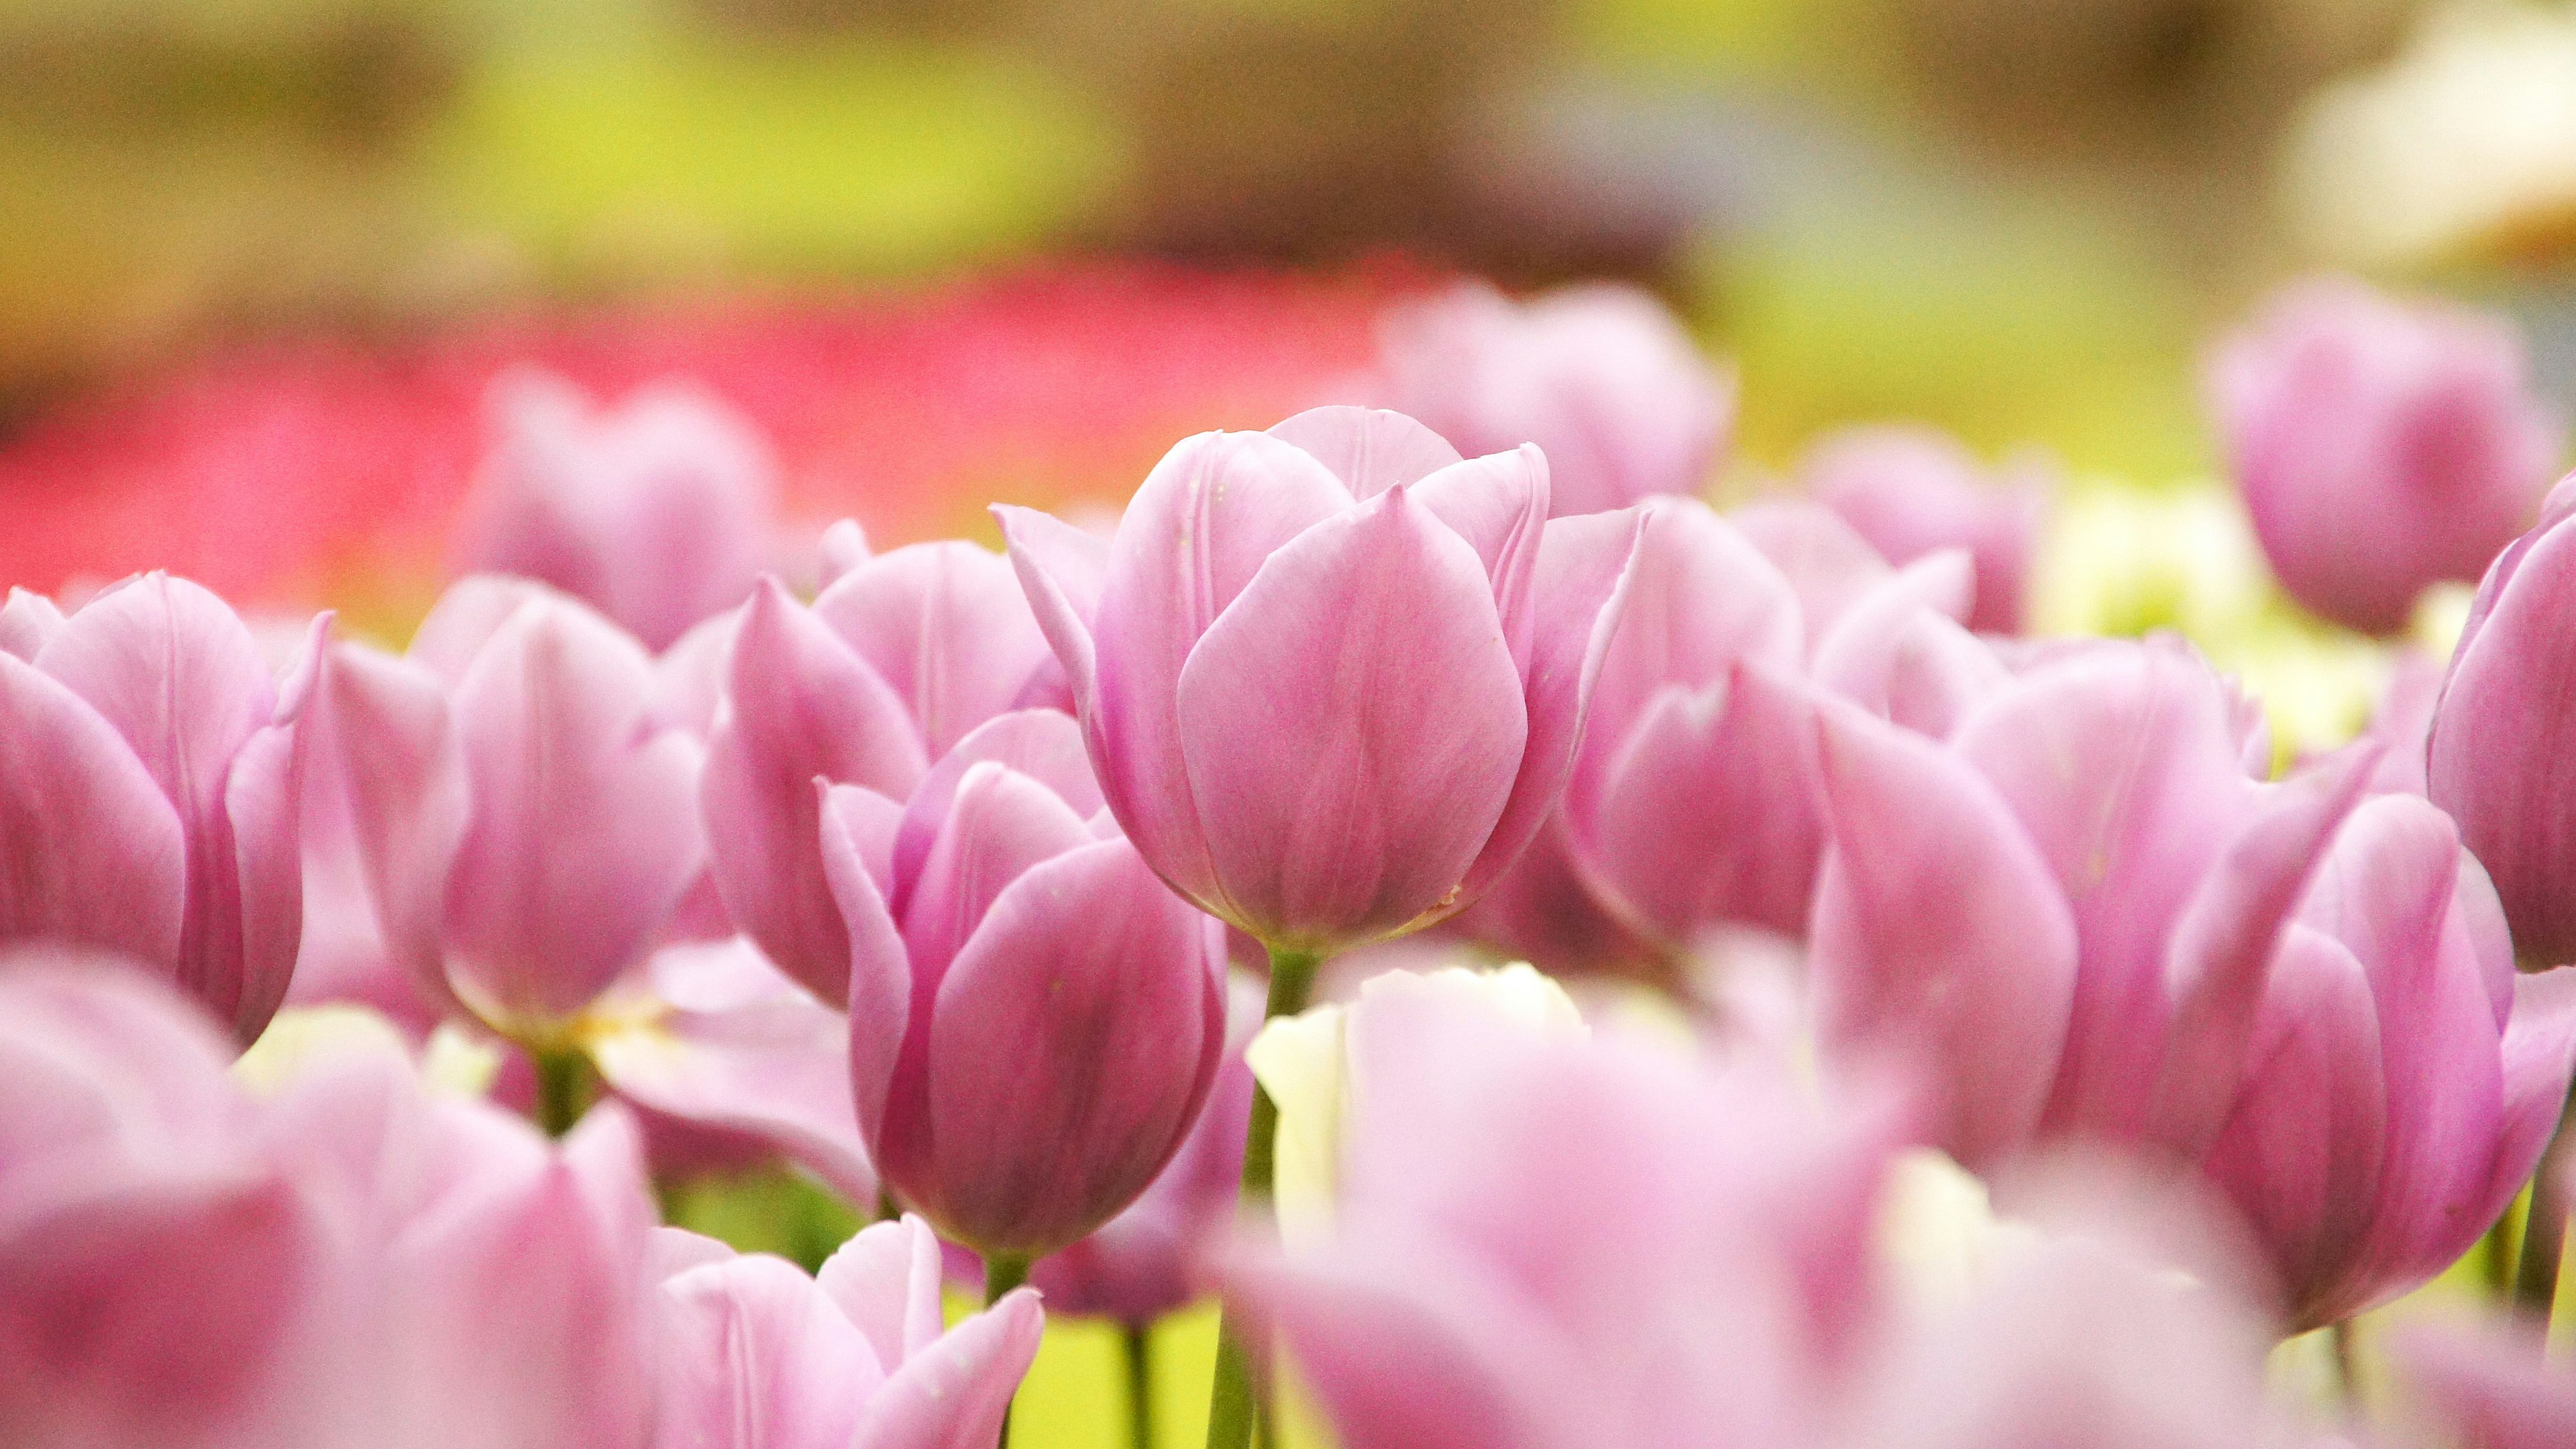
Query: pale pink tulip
{"points": [[2381, 445], [1034, 1020], [149, 792], [1330, 676], [1601, 378], [1911, 491]]}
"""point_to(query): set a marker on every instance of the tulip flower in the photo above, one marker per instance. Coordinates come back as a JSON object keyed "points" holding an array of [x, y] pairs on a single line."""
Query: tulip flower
{"points": [[1911, 491], [1331, 675], [897, 660], [1601, 378], [149, 791], [656, 512], [2402, 1080], [1689, 805], [2381, 446], [1034, 1019], [2065, 914], [756, 1355], [2487, 1388], [525, 828]]}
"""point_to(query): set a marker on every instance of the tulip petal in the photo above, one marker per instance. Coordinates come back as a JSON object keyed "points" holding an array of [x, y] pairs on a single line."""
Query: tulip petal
{"points": [[755, 1357], [406, 795], [1045, 745], [943, 624], [1939, 931], [467, 616], [262, 803], [1351, 726], [1001, 824], [1499, 505], [1827, 563], [2539, 1058], [585, 830], [1369, 449], [801, 706], [94, 851], [767, 1060], [2300, 1153], [1061, 570], [955, 1393], [887, 1281], [28, 621], [880, 973], [2222, 946], [1938, 674], [1205, 520], [1070, 1047], [1857, 656], [1709, 815], [2498, 746]]}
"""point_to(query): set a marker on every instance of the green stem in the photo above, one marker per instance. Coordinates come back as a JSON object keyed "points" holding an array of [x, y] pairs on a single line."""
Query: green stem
{"points": [[1139, 1343], [566, 1082], [2544, 1230], [2347, 1376], [1235, 1399], [1002, 1273]]}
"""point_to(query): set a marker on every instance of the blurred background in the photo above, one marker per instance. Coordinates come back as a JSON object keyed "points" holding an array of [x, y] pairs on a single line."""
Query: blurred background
{"points": [[259, 259]]}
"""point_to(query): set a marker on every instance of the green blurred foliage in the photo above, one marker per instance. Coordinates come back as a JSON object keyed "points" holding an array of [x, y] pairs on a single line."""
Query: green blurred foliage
{"points": [[842, 154], [770, 1211]]}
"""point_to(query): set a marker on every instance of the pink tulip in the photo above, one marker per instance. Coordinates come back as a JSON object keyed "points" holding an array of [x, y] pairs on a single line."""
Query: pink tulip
{"points": [[1689, 806], [526, 829], [2065, 915], [2402, 1080], [1034, 1019], [148, 794], [656, 512], [1911, 491], [2381, 445], [2500, 758], [1147, 1261], [897, 660], [2490, 1388], [1330, 676], [1601, 378], [756, 1355]]}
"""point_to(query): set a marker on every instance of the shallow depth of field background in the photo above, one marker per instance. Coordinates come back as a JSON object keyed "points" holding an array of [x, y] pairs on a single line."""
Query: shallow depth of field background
{"points": [[259, 258]]}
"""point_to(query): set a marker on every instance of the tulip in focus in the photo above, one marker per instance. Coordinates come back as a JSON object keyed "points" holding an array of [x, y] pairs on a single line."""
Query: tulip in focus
{"points": [[2381, 446], [896, 661], [1601, 377], [1331, 676], [526, 828], [756, 1355], [1912, 491], [1034, 1020], [150, 788], [656, 512]]}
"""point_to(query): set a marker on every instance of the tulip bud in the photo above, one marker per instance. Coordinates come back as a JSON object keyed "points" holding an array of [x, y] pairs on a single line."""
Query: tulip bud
{"points": [[1912, 491], [1034, 1019], [1601, 378], [758, 1356], [525, 828], [149, 794], [1334, 675], [656, 512], [2382, 446], [895, 662]]}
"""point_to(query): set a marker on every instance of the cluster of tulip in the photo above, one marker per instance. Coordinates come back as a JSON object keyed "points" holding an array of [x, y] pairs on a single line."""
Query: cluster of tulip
{"points": [[1982, 1038]]}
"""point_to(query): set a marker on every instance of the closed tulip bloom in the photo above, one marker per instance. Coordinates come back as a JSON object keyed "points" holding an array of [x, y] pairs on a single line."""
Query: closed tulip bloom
{"points": [[1911, 491], [1149, 1260], [1600, 377], [526, 828], [2064, 915], [2381, 445], [899, 657], [2501, 758], [2402, 1080], [756, 1355], [1034, 1020], [656, 512], [1331, 675], [149, 793]]}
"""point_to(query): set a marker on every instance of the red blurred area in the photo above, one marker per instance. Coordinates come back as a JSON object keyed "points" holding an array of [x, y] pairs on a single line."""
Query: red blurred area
{"points": [[322, 470]]}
